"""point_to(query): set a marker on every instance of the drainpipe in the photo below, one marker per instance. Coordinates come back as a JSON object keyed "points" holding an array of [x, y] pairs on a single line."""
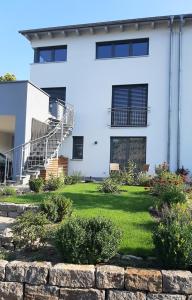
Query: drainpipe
{"points": [[170, 90], [179, 92]]}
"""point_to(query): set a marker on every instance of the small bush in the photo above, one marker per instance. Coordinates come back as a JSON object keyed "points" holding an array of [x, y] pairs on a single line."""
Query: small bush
{"points": [[89, 241], [128, 176], [169, 188], [57, 207], [76, 177], [8, 191], [116, 176], [36, 185], [29, 230], [68, 180], [54, 183], [161, 169], [173, 237], [109, 186], [143, 179]]}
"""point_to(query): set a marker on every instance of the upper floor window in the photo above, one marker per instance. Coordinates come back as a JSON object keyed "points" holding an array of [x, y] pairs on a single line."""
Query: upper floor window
{"points": [[50, 54], [129, 105], [125, 48]]}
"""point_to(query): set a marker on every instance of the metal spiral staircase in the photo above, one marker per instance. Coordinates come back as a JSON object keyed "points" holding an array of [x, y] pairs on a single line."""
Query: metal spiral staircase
{"points": [[31, 157]]}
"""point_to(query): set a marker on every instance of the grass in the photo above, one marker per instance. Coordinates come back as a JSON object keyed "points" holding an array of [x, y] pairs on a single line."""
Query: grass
{"points": [[128, 210]]}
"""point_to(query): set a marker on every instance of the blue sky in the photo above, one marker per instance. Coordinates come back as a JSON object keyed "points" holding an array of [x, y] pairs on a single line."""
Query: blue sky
{"points": [[15, 50]]}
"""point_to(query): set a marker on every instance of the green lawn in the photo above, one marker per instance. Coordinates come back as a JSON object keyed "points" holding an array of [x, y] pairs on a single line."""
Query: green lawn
{"points": [[128, 210]]}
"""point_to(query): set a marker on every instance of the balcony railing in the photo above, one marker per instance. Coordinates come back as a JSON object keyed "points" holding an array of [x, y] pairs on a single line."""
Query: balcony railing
{"points": [[129, 117]]}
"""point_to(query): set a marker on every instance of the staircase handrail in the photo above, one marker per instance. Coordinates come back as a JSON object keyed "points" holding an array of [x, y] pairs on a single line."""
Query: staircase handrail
{"points": [[39, 138]]}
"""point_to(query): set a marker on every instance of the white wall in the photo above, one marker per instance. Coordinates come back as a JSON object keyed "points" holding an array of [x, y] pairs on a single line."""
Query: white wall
{"points": [[89, 88], [37, 107]]}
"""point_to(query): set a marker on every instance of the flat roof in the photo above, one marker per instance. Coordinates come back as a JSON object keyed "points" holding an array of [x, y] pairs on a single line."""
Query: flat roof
{"points": [[24, 81], [101, 24]]}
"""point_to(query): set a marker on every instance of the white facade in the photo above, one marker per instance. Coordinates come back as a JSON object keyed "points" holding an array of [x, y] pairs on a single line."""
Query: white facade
{"points": [[89, 82]]}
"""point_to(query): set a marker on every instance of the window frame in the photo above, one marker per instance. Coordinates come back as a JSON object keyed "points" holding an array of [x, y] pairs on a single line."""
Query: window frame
{"points": [[52, 48], [73, 148], [128, 137], [130, 86], [130, 48]]}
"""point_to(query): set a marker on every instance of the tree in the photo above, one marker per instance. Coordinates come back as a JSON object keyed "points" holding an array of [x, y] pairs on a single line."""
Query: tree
{"points": [[8, 77]]}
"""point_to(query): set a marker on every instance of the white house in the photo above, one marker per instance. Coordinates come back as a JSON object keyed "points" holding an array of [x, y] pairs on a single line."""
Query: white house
{"points": [[130, 84]]}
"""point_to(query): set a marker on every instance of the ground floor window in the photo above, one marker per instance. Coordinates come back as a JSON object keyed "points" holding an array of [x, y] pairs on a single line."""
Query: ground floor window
{"points": [[128, 148], [77, 147]]}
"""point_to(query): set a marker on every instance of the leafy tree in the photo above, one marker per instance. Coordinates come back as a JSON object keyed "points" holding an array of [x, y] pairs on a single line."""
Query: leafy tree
{"points": [[8, 77]]}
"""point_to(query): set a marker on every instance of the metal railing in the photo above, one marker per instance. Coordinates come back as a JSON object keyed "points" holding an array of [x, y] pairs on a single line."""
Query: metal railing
{"points": [[129, 117], [35, 154]]}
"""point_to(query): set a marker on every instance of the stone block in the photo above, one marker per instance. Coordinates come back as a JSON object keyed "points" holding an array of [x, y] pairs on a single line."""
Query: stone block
{"points": [[179, 282], [143, 280], [43, 292], [33, 273], [73, 276], [165, 297], [11, 291], [124, 295], [85, 294], [109, 277]]}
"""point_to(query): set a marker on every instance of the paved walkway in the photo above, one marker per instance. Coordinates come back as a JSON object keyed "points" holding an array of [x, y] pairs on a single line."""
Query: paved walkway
{"points": [[5, 223]]}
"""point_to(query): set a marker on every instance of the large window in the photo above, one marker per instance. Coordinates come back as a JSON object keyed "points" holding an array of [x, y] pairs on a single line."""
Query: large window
{"points": [[128, 148], [123, 48], [50, 54], [77, 147], [129, 105]]}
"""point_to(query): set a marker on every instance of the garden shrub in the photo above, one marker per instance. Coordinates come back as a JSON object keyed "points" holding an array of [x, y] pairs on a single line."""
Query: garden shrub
{"points": [[143, 179], [88, 241], [128, 175], [116, 176], [57, 207], [36, 185], [68, 180], [173, 237], [8, 191], [76, 177], [109, 186], [29, 230], [161, 169], [169, 188], [53, 183]]}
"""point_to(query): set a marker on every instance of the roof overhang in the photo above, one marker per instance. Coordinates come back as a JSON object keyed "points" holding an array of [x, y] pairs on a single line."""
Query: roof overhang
{"points": [[93, 28]]}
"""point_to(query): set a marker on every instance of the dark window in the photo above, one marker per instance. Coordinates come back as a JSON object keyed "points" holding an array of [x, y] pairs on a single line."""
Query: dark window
{"points": [[129, 105], [139, 48], [78, 147], [124, 149], [124, 48], [56, 95], [45, 55], [50, 54], [121, 50], [104, 51]]}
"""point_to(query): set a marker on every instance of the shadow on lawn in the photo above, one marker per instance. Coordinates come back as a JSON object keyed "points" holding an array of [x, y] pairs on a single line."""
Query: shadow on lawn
{"points": [[133, 202]]}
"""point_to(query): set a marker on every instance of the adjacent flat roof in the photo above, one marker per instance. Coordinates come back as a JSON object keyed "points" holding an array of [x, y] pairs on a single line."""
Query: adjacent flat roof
{"points": [[103, 24]]}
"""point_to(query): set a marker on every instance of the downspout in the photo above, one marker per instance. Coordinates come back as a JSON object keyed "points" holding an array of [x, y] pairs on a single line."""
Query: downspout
{"points": [[170, 90], [179, 92]]}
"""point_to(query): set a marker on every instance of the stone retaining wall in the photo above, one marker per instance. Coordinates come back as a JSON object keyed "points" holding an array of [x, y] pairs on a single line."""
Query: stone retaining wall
{"points": [[41, 280], [13, 210]]}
